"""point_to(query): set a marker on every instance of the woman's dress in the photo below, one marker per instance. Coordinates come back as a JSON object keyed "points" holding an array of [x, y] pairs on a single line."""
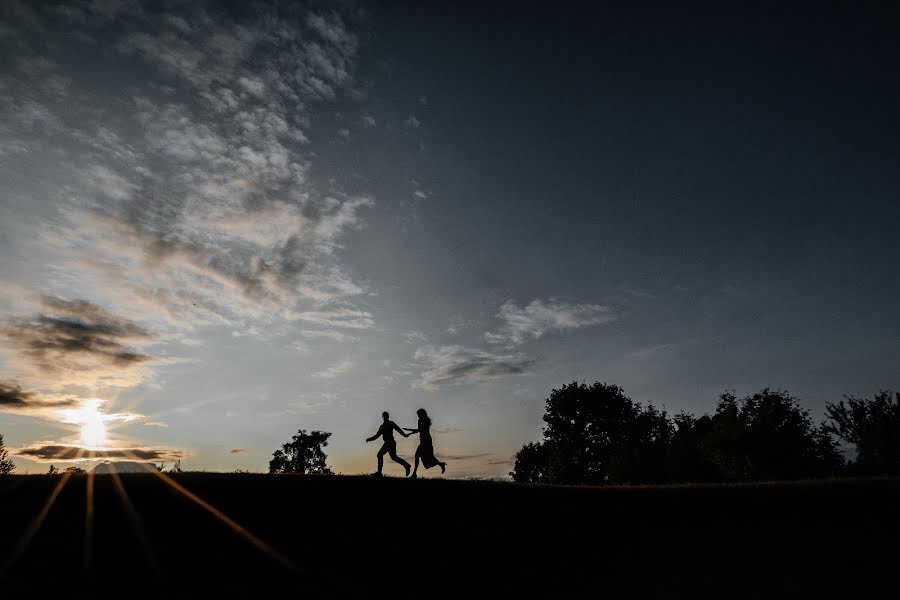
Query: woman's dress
{"points": [[426, 448]]}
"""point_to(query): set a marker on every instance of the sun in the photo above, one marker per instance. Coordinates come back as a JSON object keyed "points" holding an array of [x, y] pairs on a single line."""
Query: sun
{"points": [[93, 429], [91, 422]]}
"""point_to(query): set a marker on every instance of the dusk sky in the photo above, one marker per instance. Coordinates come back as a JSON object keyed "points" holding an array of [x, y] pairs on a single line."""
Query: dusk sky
{"points": [[221, 223]]}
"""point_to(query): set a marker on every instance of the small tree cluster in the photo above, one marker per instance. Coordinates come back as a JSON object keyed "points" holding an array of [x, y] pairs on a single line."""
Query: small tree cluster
{"points": [[304, 454], [596, 434]]}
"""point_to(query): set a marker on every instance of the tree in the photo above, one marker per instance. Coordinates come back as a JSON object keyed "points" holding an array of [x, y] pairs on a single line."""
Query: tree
{"points": [[6, 464], [532, 464], [302, 455], [873, 427], [73, 470], [596, 434], [52, 470], [766, 436], [688, 457]]}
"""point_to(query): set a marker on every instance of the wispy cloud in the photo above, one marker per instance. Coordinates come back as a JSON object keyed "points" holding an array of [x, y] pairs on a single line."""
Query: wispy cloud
{"points": [[335, 370], [464, 457], [329, 334], [540, 317], [455, 365]]}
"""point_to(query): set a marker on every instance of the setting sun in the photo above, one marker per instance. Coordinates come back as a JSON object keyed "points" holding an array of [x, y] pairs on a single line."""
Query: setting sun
{"points": [[93, 429], [91, 421]]}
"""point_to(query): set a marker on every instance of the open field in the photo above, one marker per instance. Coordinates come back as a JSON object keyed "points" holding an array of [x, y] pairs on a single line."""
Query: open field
{"points": [[366, 537]]}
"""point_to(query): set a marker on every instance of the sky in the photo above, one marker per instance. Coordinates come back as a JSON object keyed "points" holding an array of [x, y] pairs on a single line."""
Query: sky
{"points": [[224, 222]]}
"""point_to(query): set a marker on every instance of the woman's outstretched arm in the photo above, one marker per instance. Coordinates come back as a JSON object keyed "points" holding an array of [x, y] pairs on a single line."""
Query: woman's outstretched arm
{"points": [[411, 430]]}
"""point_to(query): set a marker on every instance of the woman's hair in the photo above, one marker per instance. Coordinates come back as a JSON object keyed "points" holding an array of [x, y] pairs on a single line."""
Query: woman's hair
{"points": [[423, 415]]}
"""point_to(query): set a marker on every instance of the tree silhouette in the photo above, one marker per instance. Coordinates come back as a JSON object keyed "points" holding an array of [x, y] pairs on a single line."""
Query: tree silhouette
{"points": [[303, 454], [74, 470], [873, 427], [596, 434], [52, 470], [532, 464], [6, 464], [767, 436]]}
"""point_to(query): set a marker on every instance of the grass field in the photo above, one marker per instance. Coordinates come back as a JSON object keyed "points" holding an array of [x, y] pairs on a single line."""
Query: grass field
{"points": [[293, 536]]}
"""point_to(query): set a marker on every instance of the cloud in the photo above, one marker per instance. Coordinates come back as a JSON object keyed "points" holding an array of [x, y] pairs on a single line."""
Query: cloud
{"points": [[466, 456], [76, 341], [63, 452], [205, 212], [412, 122], [330, 334], [368, 121], [540, 317], [415, 337], [454, 365], [447, 430], [156, 424], [14, 399], [338, 368], [112, 184], [238, 451]]}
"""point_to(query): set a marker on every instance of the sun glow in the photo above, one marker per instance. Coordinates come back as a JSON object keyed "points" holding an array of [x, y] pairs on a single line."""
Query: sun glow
{"points": [[91, 421], [93, 430]]}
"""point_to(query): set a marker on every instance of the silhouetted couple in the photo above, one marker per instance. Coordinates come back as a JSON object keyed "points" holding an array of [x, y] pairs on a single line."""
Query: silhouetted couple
{"points": [[424, 453]]}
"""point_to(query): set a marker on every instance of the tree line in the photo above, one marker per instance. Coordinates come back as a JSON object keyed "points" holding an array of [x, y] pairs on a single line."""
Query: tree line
{"points": [[595, 434]]}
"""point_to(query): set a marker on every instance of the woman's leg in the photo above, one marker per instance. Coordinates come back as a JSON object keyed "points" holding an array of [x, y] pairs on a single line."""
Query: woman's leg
{"points": [[416, 468]]}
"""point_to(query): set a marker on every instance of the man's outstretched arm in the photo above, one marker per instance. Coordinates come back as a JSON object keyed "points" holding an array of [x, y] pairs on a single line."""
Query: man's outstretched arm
{"points": [[400, 431], [375, 437]]}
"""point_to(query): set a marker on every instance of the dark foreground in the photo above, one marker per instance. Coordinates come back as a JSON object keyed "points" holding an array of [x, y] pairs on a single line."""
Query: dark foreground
{"points": [[364, 537]]}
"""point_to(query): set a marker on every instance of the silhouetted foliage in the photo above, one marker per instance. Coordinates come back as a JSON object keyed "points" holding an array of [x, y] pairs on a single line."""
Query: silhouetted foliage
{"points": [[52, 470], [689, 459], [531, 464], [6, 464], [766, 436], [873, 427], [303, 454], [596, 434], [74, 470]]}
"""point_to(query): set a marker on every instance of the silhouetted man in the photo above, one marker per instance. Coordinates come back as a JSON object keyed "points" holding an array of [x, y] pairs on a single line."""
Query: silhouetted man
{"points": [[386, 432]]}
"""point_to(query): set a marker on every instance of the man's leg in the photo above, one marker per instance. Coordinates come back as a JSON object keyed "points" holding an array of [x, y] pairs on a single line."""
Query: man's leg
{"points": [[381, 453], [397, 459]]}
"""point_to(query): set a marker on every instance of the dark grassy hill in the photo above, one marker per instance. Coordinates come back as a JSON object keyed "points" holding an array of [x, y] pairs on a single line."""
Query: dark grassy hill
{"points": [[365, 537]]}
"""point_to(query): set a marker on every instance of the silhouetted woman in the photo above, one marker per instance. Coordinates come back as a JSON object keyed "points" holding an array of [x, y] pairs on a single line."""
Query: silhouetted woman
{"points": [[425, 451]]}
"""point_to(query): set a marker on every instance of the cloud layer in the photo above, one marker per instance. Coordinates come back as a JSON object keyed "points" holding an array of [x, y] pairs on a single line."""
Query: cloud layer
{"points": [[14, 399], [188, 194], [540, 317], [76, 341], [454, 365], [62, 452]]}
